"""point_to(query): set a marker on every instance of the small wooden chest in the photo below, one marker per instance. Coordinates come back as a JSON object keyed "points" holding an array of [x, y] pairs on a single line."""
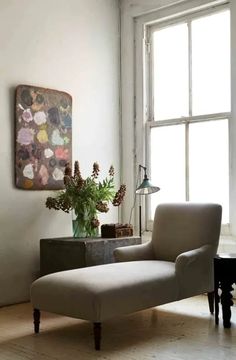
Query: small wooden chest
{"points": [[116, 230]]}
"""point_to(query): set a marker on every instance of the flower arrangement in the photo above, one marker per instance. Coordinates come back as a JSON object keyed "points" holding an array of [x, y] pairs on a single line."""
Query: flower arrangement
{"points": [[87, 197]]}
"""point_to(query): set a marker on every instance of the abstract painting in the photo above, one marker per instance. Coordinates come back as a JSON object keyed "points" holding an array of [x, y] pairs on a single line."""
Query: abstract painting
{"points": [[43, 137]]}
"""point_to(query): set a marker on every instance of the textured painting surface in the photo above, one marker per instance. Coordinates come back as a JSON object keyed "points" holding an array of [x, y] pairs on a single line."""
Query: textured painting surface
{"points": [[43, 137]]}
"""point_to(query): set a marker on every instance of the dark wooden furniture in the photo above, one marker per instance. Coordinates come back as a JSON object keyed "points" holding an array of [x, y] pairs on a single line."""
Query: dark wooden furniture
{"points": [[97, 328], [211, 299], [225, 277], [116, 230], [59, 254]]}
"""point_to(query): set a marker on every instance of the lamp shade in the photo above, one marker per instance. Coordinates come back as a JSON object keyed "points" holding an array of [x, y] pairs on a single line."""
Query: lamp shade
{"points": [[146, 187]]}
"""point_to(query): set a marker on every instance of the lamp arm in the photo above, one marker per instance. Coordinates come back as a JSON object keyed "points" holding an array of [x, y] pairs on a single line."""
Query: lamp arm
{"points": [[145, 170], [142, 167]]}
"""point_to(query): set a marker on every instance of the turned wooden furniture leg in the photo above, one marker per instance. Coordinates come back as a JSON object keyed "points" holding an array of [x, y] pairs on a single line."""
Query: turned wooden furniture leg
{"points": [[211, 297], [97, 327], [226, 301], [36, 320]]}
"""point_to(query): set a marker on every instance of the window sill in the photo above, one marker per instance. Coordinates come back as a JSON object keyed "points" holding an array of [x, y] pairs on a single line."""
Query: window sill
{"points": [[227, 244]]}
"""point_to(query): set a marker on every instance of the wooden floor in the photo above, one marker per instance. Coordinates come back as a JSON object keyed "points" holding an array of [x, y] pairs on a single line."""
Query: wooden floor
{"points": [[181, 330]]}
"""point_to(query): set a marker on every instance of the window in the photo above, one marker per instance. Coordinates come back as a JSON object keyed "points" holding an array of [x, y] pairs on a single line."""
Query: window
{"points": [[188, 106]]}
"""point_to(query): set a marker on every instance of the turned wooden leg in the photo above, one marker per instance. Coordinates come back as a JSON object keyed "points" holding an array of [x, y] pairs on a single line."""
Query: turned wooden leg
{"points": [[226, 301], [211, 301], [36, 315], [97, 329]]}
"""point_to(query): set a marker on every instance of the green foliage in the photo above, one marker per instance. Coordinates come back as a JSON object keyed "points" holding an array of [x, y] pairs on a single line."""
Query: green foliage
{"points": [[86, 196]]}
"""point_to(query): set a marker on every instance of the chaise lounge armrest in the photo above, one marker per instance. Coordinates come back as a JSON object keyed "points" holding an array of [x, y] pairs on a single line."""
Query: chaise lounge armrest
{"points": [[194, 258], [134, 252], [194, 271]]}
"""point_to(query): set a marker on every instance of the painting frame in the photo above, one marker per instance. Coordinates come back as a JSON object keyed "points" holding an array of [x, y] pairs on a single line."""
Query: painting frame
{"points": [[43, 137]]}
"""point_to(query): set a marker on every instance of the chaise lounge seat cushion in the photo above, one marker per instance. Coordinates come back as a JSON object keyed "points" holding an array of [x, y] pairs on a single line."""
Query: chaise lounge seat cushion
{"points": [[99, 293]]}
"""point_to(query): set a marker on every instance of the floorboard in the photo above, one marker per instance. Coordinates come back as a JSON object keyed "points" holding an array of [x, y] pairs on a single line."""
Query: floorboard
{"points": [[182, 330]]}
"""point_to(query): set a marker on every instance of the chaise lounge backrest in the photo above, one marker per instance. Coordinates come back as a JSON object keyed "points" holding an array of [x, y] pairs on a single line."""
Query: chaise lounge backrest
{"points": [[180, 227]]}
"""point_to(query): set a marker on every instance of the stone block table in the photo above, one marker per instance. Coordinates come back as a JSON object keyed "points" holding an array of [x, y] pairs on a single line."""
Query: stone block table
{"points": [[67, 253]]}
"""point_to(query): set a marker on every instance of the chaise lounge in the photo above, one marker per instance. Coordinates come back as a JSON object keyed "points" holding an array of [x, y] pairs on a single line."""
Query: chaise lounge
{"points": [[177, 263]]}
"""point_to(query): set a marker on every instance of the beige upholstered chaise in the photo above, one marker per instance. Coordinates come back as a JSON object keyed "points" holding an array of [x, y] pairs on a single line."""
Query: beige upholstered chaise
{"points": [[177, 263]]}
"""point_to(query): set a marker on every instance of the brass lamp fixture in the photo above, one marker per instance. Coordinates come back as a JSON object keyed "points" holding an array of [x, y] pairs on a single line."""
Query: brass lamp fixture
{"points": [[145, 188]]}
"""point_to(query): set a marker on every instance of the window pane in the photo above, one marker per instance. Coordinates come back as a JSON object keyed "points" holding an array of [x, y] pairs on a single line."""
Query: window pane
{"points": [[211, 64], [170, 67], [209, 168], [168, 164]]}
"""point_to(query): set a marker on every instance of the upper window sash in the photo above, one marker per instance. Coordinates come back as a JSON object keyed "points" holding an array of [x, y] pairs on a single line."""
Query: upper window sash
{"points": [[183, 18], [149, 30]]}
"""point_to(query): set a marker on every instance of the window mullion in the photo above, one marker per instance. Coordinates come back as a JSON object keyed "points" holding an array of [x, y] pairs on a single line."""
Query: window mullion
{"points": [[190, 68], [187, 161], [190, 110]]}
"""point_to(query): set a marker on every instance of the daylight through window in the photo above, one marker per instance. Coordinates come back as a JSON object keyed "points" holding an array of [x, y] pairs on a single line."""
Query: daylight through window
{"points": [[189, 109]]}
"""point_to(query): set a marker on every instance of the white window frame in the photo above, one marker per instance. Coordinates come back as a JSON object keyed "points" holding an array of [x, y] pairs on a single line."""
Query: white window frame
{"points": [[144, 111]]}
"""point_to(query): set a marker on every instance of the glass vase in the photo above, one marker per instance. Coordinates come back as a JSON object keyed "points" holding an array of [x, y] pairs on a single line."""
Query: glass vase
{"points": [[78, 229], [83, 227]]}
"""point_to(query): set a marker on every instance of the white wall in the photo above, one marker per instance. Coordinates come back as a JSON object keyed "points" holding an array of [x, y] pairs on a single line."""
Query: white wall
{"points": [[69, 45]]}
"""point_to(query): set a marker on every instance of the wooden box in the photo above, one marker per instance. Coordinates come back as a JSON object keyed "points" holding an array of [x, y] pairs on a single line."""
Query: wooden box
{"points": [[116, 230]]}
